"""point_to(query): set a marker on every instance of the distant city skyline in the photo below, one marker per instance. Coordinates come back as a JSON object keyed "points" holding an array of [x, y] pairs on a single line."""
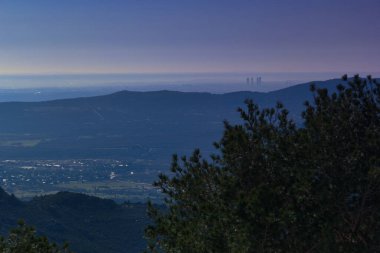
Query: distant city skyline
{"points": [[243, 36], [225, 82]]}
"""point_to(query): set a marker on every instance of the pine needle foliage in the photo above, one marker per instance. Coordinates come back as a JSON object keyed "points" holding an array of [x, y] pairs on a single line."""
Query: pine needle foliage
{"points": [[276, 187]]}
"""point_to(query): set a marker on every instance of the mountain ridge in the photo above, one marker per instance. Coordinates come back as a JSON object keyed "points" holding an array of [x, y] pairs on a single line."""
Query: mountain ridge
{"points": [[89, 224], [167, 121]]}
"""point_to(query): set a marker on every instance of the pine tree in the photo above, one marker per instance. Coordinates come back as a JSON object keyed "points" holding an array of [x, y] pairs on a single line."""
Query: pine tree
{"points": [[276, 187], [23, 239]]}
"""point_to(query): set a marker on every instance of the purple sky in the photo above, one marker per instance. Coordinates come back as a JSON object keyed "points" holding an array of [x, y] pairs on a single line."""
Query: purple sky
{"points": [[181, 36]]}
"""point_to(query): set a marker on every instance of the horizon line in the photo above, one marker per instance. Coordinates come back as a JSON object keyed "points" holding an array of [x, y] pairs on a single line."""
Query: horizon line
{"points": [[182, 73]]}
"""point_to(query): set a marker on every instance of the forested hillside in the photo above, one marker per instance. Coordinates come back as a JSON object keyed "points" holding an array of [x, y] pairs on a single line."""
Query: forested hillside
{"points": [[89, 224]]}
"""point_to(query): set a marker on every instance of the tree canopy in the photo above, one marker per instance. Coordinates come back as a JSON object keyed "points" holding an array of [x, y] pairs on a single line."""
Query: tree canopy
{"points": [[23, 239], [277, 187]]}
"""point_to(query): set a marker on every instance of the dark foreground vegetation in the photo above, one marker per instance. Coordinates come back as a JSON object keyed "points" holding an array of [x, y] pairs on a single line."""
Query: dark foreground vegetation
{"points": [[23, 239], [275, 187], [89, 224]]}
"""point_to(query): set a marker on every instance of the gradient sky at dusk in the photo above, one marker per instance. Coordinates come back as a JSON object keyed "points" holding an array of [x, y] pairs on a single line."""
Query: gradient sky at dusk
{"points": [[153, 36]]}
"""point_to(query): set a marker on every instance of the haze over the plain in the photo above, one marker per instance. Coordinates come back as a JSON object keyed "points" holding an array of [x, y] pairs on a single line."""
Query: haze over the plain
{"points": [[187, 39]]}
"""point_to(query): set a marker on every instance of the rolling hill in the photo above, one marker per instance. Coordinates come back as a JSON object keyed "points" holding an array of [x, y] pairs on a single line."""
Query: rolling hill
{"points": [[130, 125], [90, 224]]}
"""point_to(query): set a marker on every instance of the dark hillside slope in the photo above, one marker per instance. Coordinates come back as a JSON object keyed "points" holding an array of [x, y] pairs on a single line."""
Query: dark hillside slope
{"points": [[10, 210], [90, 224]]}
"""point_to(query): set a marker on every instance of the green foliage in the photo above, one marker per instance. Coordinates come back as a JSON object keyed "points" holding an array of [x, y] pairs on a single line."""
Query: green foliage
{"points": [[279, 188], [23, 239], [90, 224]]}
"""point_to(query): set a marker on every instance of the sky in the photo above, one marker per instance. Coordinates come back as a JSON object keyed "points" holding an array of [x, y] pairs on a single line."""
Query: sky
{"points": [[188, 36]]}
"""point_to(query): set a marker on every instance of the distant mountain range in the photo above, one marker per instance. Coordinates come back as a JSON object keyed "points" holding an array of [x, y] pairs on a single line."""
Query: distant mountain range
{"points": [[89, 224], [131, 125]]}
